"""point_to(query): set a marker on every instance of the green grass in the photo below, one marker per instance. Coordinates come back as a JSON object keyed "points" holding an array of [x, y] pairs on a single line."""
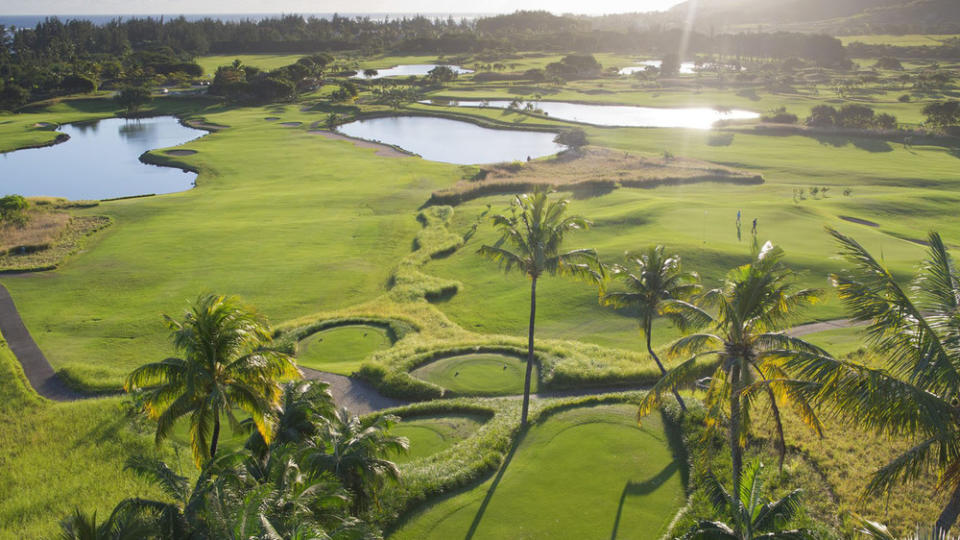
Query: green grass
{"points": [[477, 374], [341, 349], [55, 457], [265, 62], [839, 342], [429, 434], [905, 40], [589, 472]]}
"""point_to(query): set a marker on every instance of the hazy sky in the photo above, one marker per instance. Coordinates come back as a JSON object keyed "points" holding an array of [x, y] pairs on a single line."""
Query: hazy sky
{"points": [[92, 7]]}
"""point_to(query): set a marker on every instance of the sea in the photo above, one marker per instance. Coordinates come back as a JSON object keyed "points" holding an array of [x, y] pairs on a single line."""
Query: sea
{"points": [[30, 21]]}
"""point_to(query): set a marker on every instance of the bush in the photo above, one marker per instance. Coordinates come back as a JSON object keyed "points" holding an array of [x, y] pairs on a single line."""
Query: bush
{"points": [[575, 138], [13, 209], [904, 98], [942, 113], [780, 116], [889, 62], [78, 84], [822, 116]]}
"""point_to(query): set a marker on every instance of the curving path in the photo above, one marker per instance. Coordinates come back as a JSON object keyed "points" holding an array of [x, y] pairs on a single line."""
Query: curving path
{"points": [[354, 394], [35, 365]]}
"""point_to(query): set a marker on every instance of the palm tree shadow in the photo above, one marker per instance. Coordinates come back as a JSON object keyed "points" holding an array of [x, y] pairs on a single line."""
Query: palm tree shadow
{"points": [[493, 488], [642, 488]]}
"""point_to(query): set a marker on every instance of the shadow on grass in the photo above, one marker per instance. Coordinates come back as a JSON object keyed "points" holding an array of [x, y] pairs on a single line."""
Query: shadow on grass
{"points": [[641, 488], [493, 489]]}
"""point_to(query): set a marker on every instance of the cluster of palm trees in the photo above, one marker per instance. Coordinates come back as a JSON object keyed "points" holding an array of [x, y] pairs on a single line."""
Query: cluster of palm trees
{"points": [[741, 337], [307, 469]]}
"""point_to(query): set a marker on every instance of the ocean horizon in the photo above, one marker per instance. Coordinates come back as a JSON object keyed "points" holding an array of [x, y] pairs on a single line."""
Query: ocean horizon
{"points": [[30, 21]]}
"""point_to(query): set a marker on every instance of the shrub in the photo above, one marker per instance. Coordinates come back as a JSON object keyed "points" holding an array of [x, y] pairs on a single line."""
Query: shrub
{"points": [[574, 138], [904, 98], [822, 116], [13, 209], [780, 116], [78, 84]]}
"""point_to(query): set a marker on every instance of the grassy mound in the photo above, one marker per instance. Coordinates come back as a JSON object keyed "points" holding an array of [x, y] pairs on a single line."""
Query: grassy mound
{"points": [[341, 349], [588, 472], [477, 374], [434, 433]]}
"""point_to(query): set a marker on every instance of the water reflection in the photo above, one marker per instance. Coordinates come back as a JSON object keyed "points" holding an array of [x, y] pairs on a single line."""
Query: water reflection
{"points": [[100, 161], [616, 115], [451, 141]]}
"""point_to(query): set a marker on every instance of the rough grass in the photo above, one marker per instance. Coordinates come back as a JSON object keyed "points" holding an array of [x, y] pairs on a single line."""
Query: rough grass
{"points": [[591, 171], [58, 456], [587, 472], [46, 240], [477, 374]]}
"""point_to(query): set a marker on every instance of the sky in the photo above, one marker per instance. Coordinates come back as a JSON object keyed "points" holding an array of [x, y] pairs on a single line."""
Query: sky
{"points": [[175, 7]]}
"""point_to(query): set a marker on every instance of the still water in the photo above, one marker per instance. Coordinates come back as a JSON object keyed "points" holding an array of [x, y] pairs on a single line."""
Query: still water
{"points": [[451, 141], [100, 161], [409, 69], [622, 115]]}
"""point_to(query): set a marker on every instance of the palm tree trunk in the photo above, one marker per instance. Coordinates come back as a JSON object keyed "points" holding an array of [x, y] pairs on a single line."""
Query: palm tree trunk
{"points": [[647, 330], [529, 375], [949, 515], [216, 435], [736, 453]]}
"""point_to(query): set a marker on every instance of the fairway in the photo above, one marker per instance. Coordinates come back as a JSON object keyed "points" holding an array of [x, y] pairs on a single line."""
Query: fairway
{"points": [[431, 434], [478, 374], [586, 473], [341, 349]]}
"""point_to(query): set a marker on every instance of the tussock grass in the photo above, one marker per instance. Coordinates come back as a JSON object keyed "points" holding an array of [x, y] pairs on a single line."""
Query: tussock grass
{"points": [[46, 240]]}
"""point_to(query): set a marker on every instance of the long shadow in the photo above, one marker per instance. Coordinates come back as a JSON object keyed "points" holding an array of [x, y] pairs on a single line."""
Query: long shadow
{"points": [[493, 488], [642, 488]]}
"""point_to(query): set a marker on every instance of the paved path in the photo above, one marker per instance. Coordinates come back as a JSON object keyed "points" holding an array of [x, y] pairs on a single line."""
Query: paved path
{"points": [[35, 365], [354, 394]]}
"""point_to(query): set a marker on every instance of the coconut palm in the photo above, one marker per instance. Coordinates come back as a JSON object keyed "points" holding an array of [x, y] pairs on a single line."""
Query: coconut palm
{"points": [[356, 452], [530, 241], [120, 525], [755, 302], [656, 286], [303, 402], [916, 331], [752, 514], [227, 364]]}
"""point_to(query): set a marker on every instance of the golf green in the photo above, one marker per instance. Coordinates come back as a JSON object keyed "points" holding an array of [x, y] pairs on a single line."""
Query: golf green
{"points": [[431, 434], [585, 473], [341, 349], [478, 374]]}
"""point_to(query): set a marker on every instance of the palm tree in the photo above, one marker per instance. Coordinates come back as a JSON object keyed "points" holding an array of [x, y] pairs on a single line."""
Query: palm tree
{"points": [[916, 395], [755, 302], [120, 525], [303, 402], [534, 230], [227, 364], [656, 286], [356, 452], [753, 515]]}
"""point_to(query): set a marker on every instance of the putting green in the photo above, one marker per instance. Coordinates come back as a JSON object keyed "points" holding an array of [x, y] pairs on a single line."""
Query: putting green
{"points": [[478, 374], [431, 434], [584, 473], [341, 349]]}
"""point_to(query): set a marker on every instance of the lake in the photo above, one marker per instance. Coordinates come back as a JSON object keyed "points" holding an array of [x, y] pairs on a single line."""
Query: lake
{"points": [[409, 69], [621, 115], [100, 161], [686, 68], [452, 141]]}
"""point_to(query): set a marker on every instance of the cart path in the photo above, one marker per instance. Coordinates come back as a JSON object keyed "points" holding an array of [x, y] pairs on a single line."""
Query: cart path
{"points": [[35, 365], [357, 395]]}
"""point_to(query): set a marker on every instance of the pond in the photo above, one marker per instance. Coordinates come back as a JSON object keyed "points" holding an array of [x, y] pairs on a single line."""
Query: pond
{"points": [[100, 161], [623, 115], [686, 68], [409, 69], [452, 141]]}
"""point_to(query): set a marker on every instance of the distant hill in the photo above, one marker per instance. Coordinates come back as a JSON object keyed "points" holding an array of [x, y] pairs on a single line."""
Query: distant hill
{"points": [[831, 16]]}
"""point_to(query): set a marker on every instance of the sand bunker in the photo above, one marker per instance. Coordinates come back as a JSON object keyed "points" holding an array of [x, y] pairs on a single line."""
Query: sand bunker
{"points": [[382, 149], [291, 124], [180, 152], [43, 125], [271, 118]]}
